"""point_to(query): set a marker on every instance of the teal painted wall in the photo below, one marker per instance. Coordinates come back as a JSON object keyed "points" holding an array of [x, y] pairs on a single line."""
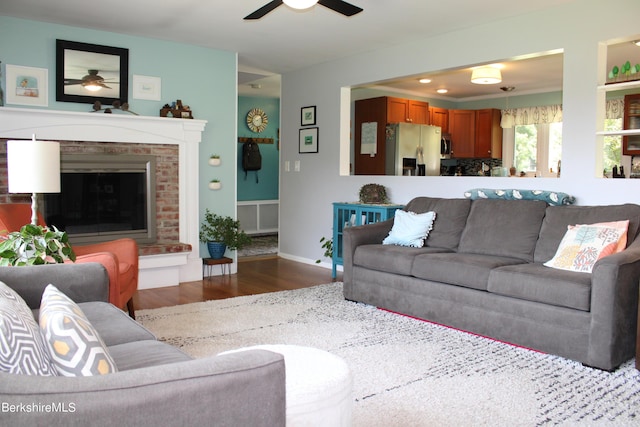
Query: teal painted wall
{"points": [[205, 79], [267, 187]]}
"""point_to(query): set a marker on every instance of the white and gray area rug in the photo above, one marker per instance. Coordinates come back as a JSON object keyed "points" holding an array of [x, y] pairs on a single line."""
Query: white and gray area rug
{"points": [[408, 372], [260, 245]]}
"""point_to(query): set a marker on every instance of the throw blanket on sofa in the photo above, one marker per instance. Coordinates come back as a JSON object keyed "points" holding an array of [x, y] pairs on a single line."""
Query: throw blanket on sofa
{"points": [[553, 198]]}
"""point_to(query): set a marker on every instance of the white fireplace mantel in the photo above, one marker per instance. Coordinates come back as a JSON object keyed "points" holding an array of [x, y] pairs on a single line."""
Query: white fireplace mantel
{"points": [[155, 271]]}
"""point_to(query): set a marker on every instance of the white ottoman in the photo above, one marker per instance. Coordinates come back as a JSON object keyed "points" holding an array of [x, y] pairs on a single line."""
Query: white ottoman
{"points": [[319, 386]]}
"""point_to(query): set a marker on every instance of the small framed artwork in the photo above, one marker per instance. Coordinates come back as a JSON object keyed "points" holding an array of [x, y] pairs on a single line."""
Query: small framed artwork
{"points": [[87, 73], [146, 87], [308, 116], [27, 86], [308, 140]]}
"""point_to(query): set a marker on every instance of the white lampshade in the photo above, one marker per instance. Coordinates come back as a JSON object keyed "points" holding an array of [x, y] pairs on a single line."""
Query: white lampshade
{"points": [[486, 76], [300, 4], [33, 166]]}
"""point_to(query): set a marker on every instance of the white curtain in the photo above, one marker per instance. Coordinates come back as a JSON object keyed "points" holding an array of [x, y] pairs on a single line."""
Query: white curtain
{"points": [[531, 116], [551, 114], [615, 108]]}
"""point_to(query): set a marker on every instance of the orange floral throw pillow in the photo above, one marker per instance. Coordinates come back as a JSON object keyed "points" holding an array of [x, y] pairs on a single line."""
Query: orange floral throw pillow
{"points": [[583, 245]]}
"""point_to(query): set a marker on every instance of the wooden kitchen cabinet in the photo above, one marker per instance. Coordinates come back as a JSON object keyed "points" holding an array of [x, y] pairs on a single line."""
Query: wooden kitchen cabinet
{"points": [[418, 112], [631, 120], [382, 110], [475, 133], [488, 140], [400, 110], [439, 117], [462, 127]]}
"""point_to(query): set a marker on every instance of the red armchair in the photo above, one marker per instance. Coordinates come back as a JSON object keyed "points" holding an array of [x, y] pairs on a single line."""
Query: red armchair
{"points": [[119, 257]]}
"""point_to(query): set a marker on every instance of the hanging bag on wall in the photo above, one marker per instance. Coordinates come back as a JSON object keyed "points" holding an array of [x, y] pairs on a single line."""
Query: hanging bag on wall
{"points": [[251, 158]]}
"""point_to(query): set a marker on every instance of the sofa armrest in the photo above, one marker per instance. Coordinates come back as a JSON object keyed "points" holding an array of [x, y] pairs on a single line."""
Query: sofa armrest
{"points": [[237, 389], [614, 306], [110, 263], [125, 250], [80, 282], [353, 237]]}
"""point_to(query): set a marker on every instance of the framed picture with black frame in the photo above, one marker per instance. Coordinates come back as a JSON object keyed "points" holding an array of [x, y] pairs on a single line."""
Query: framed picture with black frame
{"points": [[308, 140], [308, 116], [87, 73]]}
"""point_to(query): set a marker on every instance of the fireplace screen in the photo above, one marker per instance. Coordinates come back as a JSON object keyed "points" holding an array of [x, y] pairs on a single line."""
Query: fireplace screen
{"points": [[104, 198]]}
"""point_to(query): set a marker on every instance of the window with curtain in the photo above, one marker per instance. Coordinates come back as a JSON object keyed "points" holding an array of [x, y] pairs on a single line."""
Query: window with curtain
{"points": [[537, 139], [612, 146]]}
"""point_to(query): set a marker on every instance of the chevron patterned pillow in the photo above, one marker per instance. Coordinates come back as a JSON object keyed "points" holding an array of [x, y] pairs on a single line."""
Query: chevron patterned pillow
{"points": [[75, 347], [22, 350]]}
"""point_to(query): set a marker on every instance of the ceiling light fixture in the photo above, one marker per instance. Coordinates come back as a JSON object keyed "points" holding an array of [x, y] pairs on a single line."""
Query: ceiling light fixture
{"points": [[486, 76], [425, 81], [93, 87], [300, 4], [442, 90], [637, 42]]}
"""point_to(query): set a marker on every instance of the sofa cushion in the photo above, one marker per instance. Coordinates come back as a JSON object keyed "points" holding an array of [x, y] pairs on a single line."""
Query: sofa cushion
{"points": [[143, 354], [22, 349], [451, 217], [535, 282], [468, 270], [583, 245], [557, 218], [114, 325], [390, 258], [74, 345], [410, 228], [507, 228]]}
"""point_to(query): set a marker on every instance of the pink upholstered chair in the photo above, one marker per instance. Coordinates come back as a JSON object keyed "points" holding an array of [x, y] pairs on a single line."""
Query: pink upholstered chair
{"points": [[119, 257]]}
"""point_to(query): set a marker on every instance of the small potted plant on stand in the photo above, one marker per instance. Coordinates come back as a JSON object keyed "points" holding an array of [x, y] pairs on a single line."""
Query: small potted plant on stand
{"points": [[35, 245], [221, 233]]}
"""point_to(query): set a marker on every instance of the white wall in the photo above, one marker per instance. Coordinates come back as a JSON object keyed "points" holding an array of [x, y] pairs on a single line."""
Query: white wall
{"points": [[578, 28]]}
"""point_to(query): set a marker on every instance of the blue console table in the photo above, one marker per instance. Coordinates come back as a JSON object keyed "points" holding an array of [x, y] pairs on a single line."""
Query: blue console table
{"points": [[351, 214]]}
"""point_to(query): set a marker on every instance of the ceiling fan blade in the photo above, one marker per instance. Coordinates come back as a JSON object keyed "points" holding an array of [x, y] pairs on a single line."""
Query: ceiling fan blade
{"points": [[68, 82], [342, 7], [264, 10]]}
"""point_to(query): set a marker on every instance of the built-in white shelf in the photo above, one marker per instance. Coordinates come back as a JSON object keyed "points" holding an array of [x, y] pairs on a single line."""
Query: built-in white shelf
{"points": [[620, 86], [626, 132]]}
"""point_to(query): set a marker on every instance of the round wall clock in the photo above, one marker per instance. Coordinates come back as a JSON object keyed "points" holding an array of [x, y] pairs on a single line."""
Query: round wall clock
{"points": [[257, 120]]}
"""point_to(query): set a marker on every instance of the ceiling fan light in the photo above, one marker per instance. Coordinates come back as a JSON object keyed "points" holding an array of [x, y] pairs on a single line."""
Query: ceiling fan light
{"points": [[92, 87], [486, 76], [300, 4]]}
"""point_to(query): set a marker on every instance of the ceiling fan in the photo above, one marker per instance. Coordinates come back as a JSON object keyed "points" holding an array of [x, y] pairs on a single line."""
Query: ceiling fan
{"points": [[339, 6], [92, 81]]}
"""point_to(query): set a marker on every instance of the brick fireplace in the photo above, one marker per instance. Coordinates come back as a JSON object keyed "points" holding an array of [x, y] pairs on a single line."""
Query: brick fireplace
{"points": [[174, 143]]}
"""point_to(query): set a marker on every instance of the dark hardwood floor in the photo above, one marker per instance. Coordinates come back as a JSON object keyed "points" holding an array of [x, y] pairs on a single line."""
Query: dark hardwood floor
{"points": [[256, 275]]}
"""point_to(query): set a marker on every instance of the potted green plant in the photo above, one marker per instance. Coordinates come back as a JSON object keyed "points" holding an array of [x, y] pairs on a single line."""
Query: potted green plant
{"points": [[214, 160], [327, 245], [215, 184], [221, 233], [35, 245]]}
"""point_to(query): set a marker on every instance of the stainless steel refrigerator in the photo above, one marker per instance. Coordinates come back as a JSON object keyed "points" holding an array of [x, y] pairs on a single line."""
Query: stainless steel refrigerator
{"points": [[412, 149]]}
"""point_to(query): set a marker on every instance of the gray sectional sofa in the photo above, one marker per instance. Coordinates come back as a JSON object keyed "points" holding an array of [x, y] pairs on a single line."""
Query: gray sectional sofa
{"points": [[481, 270], [156, 384]]}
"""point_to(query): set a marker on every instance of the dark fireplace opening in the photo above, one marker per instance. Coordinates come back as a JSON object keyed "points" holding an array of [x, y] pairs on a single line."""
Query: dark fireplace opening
{"points": [[104, 197]]}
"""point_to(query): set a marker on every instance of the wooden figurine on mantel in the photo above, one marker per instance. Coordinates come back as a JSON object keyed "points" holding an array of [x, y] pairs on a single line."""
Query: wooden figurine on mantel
{"points": [[177, 110]]}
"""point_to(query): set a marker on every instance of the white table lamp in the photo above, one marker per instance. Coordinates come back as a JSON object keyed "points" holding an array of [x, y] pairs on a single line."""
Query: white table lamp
{"points": [[33, 167]]}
